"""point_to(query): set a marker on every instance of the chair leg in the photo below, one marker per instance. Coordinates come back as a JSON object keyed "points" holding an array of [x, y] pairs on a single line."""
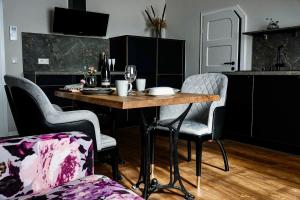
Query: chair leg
{"points": [[198, 161], [115, 164], [221, 145], [189, 148]]}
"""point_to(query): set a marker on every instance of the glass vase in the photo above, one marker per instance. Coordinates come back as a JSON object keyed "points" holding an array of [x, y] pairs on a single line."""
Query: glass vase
{"points": [[91, 80]]}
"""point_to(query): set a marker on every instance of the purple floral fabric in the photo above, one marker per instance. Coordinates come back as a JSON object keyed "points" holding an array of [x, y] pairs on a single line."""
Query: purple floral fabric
{"points": [[35, 164], [91, 188]]}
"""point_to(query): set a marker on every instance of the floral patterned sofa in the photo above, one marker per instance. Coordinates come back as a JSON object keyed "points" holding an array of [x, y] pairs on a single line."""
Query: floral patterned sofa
{"points": [[54, 166]]}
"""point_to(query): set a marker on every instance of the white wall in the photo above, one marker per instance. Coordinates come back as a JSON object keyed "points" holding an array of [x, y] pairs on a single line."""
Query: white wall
{"points": [[3, 102], [28, 16], [184, 21], [126, 18]]}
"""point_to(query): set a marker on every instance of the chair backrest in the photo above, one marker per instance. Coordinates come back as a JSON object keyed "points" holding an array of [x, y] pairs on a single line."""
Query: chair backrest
{"points": [[209, 83], [29, 105]]}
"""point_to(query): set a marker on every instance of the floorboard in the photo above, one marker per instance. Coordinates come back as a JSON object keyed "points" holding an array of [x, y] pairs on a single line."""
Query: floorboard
{"points": [[255, 172]]}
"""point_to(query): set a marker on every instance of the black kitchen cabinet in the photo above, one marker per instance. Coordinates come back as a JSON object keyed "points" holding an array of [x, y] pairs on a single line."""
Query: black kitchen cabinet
{"points": [[153, 57], [239, 106], [170, 56], [138, 51], [50, 83], [160, 61], [275, 110], [263, 110], [174, 81]]}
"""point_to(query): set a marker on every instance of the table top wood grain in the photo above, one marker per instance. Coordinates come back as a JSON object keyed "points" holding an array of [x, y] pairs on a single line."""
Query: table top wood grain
{"points": [[137, 100]]}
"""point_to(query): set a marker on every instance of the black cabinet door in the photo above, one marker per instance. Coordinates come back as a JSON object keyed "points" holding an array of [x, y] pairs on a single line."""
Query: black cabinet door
{"points": [[142, 54], [174, 81], [118, 51], [138, 51], [238, 120], [276, 109], [160, 61], [171, 55]]}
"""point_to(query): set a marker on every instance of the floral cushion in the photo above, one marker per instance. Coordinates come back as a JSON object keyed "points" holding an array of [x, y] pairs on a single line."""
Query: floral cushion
{"points": [[91, 188], [34, 164]]}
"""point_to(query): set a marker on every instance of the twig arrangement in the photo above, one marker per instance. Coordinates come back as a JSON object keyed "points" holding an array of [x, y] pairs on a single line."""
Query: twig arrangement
{"points": [[156, 22]]}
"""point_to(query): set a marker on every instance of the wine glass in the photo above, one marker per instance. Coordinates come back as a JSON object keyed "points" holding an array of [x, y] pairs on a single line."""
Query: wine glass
{"points": [[130, 75]]}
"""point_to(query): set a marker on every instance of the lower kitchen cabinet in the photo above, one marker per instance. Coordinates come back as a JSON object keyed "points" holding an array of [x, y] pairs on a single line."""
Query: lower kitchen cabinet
{"points": [[276, 105], [238, 122], [263, 110]]}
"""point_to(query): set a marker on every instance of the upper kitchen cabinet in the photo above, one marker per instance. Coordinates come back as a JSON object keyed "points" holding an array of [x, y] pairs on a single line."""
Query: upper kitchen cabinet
{"points": [[170, 62], [171, 56], [161, 61], [134, 50], [142, 53]]}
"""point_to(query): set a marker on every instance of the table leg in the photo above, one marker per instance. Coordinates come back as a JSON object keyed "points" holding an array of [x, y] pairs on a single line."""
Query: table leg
{"points": [[174, 168], [145, 172], [113, 130], [143, 125], [144, 176]]}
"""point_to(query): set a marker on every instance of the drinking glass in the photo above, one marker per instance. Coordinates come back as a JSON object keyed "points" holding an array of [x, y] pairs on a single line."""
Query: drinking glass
{"points": [[130, 74]]}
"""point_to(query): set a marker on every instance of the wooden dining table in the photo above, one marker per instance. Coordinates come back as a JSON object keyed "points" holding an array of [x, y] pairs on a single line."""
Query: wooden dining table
{"points": [[140, 100]]}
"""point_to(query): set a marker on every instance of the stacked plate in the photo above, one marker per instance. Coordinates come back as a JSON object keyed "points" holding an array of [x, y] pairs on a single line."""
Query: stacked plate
{"points": [[161, 91], [96, 90]]}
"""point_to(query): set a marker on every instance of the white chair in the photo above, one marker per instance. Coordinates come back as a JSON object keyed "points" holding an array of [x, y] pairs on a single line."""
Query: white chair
{"points": [[205, 120], [34, 114]]}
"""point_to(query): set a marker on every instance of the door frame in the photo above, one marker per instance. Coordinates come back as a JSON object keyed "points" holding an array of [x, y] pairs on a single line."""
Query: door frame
{"points": [[2, 70], [243, 46]]}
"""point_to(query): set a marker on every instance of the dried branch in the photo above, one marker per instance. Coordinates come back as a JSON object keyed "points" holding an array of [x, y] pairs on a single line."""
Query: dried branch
{"points": [[150, 19], [153, 11]]}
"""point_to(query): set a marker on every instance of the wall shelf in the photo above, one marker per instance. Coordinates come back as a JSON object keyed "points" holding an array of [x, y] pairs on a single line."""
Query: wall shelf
{"points": [[292, 29]]}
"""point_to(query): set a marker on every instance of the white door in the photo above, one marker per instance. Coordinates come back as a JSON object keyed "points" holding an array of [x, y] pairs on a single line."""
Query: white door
{"points": [[3, 104], [220, 41]]}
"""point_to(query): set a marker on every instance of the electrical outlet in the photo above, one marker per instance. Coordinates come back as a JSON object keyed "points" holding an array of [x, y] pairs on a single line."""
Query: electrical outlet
{"points": [[43, 61]]}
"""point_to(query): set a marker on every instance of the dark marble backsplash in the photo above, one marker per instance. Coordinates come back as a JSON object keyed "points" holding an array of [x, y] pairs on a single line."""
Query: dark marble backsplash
{"points": [[265, 51], [65, 53]]}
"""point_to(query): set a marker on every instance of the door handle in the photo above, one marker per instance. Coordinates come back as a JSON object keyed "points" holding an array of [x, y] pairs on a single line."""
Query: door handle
{"points": [[229, 63]]}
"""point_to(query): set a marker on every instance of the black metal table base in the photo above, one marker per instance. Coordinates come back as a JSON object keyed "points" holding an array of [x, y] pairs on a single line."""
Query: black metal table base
{"points": [[153, 185]]}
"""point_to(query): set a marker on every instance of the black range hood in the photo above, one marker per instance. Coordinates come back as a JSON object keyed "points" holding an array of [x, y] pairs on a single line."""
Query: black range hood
{"points": [[77, 21], [77, 4]]}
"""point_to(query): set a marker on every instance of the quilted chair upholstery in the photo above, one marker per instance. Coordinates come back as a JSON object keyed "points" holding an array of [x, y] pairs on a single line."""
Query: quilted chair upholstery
{"points": [[33, 113], [205, 120], [200, 118], [54, 166]]}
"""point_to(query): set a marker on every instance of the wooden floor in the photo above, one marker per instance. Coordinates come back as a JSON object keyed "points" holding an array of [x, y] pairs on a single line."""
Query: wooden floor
{"points": [[255, 173]]}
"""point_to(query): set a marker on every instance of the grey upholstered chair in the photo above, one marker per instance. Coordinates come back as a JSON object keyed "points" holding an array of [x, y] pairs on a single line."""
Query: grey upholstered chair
{"points": [[34, 114], [205, 120]]}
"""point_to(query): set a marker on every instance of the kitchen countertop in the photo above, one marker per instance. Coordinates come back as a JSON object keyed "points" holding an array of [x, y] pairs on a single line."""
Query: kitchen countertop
{"points": [[282, 73], [67, 73], [121, 73]]}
